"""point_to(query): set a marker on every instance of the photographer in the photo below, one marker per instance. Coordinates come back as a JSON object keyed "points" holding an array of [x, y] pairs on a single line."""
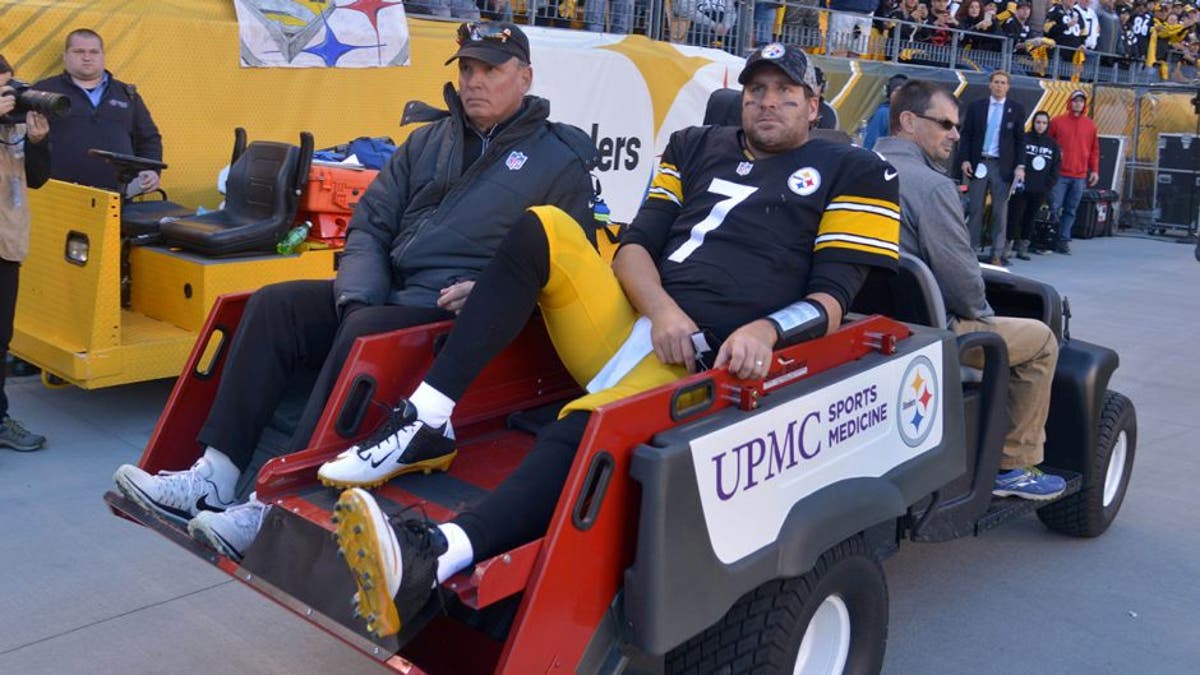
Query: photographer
{"points": [[106, 114], [24, 162]]}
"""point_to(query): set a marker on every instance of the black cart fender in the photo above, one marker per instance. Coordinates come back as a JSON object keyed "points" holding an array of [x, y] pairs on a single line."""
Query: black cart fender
{"points": [[1080, 382]]}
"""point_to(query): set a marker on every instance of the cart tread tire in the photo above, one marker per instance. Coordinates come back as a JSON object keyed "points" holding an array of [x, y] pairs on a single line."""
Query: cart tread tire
{"points": [[1084, 513], [763, 631]]}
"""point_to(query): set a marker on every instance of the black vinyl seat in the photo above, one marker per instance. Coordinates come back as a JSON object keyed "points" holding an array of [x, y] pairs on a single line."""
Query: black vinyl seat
{"points": [[262, 194], [143, 217], [911, 295]]}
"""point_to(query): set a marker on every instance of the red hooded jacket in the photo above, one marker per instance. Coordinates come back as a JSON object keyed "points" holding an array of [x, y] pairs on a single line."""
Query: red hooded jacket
{"points": [[1076, 136]]}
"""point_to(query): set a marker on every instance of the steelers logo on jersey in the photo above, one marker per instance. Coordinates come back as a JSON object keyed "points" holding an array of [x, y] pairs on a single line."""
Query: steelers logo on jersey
{"points": [[805, 181]]}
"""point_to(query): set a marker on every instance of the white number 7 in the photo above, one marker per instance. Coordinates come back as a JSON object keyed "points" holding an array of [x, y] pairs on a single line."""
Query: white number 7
{"points": [[736, 194]]}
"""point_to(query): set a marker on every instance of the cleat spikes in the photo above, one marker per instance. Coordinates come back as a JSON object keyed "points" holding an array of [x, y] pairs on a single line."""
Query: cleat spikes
{"points": [[358, 529]]}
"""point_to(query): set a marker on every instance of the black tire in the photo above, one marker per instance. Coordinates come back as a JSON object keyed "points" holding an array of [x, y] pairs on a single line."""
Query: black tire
{"points": [[1085, 514], [763, 631]]}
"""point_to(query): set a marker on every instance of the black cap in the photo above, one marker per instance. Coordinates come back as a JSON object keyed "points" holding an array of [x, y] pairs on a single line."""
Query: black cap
{"points": [[1024, 3], [789, 58], [492, 42]]}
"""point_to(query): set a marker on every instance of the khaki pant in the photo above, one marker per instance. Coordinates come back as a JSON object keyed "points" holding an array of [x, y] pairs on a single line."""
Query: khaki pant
{"points": [[1032, 355]]}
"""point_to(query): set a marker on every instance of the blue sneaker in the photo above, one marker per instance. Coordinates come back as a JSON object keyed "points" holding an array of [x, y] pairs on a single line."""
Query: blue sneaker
{"points": [[1028, 483]]}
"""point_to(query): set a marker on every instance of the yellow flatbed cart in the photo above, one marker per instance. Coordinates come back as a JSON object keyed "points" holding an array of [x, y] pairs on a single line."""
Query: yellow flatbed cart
{"points": [[70, 321]]}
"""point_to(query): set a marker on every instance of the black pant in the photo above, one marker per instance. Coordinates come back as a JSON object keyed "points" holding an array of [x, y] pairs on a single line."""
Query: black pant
{"points": [[1022, 211], [498, 307], [9, 275], [288, 328], [518, 511]]}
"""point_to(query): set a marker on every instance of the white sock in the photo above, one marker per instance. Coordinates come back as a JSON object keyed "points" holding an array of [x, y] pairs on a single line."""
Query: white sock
{"points": [[458, 556], [225, 473], [433, 407]]}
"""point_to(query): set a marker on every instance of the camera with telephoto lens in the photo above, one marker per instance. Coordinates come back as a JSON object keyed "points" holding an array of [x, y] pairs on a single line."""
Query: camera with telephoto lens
{"points": [[28, 98]]}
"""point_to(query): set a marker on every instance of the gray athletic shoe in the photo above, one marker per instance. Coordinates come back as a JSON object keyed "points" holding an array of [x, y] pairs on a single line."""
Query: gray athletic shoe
{"points": [[17, 437], [230, 531]]}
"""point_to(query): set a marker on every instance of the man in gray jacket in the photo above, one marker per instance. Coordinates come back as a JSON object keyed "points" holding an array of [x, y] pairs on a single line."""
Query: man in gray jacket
{"points": [[924, 126], [424, 229]]}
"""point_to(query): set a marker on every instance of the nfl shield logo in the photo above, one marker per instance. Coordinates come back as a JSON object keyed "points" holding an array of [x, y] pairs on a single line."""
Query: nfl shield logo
{"points": [[744, 168], [516, 160]]}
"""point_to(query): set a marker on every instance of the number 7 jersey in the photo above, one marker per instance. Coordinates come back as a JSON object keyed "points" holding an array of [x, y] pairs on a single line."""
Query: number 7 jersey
{"points": [[736, 238]]}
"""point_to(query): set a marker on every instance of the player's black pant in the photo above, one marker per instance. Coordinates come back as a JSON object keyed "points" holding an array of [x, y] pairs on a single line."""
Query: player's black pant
{"points": [[519, 509], [289, 330]]}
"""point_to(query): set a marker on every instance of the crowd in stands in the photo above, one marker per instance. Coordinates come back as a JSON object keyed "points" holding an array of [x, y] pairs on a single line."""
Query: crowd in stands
{"points": [[1161, 35]]}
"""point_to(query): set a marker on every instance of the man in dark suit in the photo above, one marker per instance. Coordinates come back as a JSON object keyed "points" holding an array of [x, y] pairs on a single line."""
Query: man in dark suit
{"points": [[992, 152]]}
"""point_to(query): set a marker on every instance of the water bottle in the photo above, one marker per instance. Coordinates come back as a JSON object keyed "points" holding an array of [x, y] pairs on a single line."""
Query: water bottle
{"points": [[294, 237]]}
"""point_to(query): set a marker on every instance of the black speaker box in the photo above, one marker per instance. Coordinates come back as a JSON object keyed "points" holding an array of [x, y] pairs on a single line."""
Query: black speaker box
{"points": [[1176, 198], [1178, 152]]}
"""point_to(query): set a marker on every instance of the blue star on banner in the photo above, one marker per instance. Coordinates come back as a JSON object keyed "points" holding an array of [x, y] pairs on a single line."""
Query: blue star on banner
{"points": [[916, 420], [331, 49]]}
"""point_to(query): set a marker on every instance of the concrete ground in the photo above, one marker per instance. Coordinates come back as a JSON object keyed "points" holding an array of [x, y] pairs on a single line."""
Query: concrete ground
{"points": [[82, 591]]}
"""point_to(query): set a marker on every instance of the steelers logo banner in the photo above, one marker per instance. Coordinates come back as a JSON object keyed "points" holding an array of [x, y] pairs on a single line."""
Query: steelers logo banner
{"points": [[322, 33]]}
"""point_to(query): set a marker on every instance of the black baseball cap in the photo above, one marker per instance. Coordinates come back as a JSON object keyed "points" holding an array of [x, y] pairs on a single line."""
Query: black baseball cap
{"points": [[789, 58], [491, 42]]}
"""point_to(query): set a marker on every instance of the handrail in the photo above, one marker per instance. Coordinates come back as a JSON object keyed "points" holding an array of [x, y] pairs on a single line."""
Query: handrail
{"points": [[669, 20]]}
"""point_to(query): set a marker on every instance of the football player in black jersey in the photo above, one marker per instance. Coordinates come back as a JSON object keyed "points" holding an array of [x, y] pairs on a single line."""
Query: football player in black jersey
{"points": [[749, 238]]}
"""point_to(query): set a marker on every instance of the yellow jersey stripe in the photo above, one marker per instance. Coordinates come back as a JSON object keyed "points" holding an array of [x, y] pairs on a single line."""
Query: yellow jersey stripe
{"points": [[864, 248], [861, 224], [669, 183], [870, 201], [659, 193]]}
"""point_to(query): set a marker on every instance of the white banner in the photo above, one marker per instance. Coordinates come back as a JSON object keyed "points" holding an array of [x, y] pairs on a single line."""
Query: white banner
{"points": [[752, 472], [322, 33], [628, 93]]}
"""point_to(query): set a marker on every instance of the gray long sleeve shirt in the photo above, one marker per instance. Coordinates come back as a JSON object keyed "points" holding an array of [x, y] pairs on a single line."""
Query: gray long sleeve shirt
{"points": [[933, 228]]}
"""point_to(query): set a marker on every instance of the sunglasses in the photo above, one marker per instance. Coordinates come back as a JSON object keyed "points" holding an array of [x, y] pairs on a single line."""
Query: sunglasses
{"points": [[946, 125], [475, 32]]}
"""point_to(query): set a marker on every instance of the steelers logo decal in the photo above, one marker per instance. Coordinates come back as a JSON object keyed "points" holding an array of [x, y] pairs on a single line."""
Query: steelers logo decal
{"points": [[805, 181], [773, 51]]}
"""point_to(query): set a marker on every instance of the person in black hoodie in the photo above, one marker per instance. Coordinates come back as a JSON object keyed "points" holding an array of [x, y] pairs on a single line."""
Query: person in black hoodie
{"points": [[1042, 157]]}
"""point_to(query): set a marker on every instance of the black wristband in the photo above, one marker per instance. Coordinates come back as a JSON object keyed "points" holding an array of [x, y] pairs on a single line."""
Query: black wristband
{"points": [[802, 320]]}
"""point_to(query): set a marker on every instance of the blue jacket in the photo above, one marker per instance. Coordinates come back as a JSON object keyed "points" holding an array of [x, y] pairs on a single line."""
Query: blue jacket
{"points": [[877, 128]]}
